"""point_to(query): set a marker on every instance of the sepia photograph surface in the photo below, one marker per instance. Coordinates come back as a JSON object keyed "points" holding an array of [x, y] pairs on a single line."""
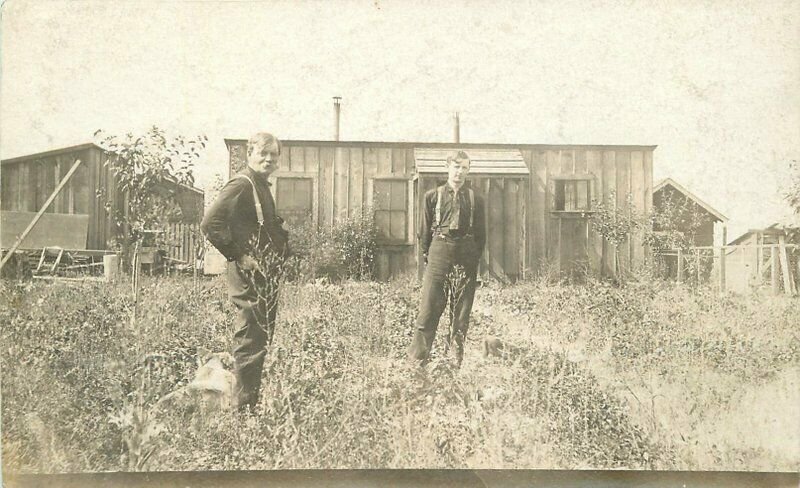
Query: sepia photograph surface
{"points": [[270, 235]]}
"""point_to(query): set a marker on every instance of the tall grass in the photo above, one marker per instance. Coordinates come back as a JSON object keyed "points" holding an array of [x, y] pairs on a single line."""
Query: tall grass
{"points": [[645, 376], [697, 370]]}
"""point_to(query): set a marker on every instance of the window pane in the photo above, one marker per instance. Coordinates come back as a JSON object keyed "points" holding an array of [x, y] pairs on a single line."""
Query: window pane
{"points": [[51, 173], [382, 196], [391, 204], [44, 171], [80, 189], [64, 196], [569, 195], [37, 183], [559, 196], [382, 221], [398, 225], [294, 200], [398, 195], [582, 194], [10, 187]]}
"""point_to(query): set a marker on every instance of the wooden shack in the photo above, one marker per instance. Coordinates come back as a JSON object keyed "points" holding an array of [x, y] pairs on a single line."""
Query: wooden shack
{"points": [[539, 197], [77, 219], [695, 219], [754, 260], [669, 190]]}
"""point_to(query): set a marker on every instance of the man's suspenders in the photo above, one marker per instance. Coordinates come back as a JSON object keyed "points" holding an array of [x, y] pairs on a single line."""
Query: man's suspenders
{"points": [[471, 208], [259, 210], [438, 217]]}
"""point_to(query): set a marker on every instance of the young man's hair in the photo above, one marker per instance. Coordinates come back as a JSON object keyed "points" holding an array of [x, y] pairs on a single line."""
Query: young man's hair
{"points": [[459, 156], [262, 139]]}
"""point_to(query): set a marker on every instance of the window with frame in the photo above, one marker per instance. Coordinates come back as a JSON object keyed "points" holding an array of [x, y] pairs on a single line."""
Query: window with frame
{"points": [[10, 197], [390, 198], [79, 191], [572, 195], [294, 200]]}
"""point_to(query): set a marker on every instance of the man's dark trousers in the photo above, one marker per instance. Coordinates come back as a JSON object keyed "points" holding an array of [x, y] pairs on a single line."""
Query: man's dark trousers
{"points": [[255, 326], [444, 254]]}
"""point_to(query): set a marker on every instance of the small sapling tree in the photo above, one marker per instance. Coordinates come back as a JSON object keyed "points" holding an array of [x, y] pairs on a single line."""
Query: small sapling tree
{"points": [[150, 171]]}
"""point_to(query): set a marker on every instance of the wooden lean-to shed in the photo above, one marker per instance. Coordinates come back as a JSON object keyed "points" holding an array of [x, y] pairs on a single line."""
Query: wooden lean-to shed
{"points": [[693, 218], [670, 192], [754, 259], [539, 197], [77, 219]]}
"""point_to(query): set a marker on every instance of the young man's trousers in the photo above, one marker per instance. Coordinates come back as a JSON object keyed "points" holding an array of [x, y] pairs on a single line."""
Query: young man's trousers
{"points": [[440, 282]]}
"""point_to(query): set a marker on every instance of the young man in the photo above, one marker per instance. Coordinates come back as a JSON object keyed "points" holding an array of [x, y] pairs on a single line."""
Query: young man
{"points": [[243, 226], [452, 233]]}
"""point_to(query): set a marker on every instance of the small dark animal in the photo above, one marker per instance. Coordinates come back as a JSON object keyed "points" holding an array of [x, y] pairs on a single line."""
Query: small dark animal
{"points": [[493, 346]]}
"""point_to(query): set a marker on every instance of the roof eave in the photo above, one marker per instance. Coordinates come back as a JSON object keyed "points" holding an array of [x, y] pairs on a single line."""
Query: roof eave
{"points": [[432, 144], [708, 208], [51, 153]]}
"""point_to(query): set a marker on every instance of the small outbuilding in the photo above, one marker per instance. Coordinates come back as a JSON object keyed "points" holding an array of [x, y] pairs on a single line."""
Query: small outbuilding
{"points": [[78, 219], [764, 257], [696, 218], [698, 221]]}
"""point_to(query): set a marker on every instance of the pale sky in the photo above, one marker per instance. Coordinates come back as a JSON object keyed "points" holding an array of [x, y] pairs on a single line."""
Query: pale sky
{"points": [[715, 84]]}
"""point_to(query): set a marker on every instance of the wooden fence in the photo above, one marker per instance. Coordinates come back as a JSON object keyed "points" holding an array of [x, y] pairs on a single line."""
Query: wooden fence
{"points": [[736, 267], [182, 242]]}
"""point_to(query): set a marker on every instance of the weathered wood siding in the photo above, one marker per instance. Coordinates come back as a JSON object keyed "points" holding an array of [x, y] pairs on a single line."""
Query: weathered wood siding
{"points": [[704, 232], [29, 180], [344, 177], [183, 241], [525, 233], [566, 240]]}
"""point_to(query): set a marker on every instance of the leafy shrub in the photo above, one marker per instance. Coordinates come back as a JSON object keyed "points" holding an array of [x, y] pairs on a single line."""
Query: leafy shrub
{"points": [[348, 250]]}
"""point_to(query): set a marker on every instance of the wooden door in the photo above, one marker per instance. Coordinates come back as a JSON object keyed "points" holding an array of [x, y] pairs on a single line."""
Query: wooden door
{"points": [[569, 239], [572, 247], [504, 198]]}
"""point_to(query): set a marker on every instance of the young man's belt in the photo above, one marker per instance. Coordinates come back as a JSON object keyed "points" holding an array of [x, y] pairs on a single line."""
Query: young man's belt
{"points": [[454, 235]]}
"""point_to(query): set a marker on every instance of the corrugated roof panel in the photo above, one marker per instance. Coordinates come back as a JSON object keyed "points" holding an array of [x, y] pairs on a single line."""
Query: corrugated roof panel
{"points": [[483, 161]]}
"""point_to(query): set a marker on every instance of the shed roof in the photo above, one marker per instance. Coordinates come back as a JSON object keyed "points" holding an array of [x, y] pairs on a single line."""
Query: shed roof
{"points": [[708, 208], [778, 228], [452, 145], [482, 161], [82, 147], [51, 153]]}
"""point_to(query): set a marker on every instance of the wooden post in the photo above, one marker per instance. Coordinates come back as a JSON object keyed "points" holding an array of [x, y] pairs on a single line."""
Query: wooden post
{"points": [[722, 270], [680, 265], [759, 259], [774, 260], [788, 282], [40, 213], [111, 267], [798, 267], [697, 265]]}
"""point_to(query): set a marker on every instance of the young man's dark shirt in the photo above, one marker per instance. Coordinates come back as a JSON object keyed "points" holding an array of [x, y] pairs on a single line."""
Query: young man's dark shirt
{"points": [[429, 215]]}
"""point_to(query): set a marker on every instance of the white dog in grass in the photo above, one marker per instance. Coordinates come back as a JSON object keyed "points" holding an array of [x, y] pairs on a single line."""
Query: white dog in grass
{"points": [[213, 385]]}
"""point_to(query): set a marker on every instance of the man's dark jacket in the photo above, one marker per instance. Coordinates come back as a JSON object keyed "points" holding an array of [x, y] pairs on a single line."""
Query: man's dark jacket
{"points": [[231, 220]]}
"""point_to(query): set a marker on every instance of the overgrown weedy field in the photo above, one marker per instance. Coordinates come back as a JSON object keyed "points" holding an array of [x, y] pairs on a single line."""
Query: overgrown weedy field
{"points": [[646, 376]]}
